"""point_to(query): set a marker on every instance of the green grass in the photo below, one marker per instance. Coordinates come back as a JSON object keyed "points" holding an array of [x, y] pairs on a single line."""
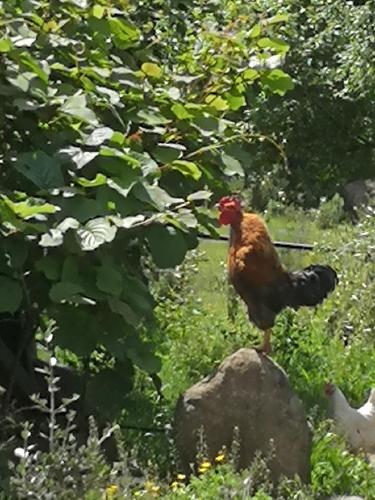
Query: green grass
{"points": [[308, 344]]}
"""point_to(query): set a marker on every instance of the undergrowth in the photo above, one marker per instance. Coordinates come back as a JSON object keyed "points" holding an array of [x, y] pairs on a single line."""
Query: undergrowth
{"points": [[195, 332]]}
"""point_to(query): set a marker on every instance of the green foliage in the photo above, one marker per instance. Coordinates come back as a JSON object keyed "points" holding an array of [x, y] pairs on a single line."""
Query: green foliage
{"points": [[326, 123], [331, 212], [336, 470], [113, 126], [333, 342]]}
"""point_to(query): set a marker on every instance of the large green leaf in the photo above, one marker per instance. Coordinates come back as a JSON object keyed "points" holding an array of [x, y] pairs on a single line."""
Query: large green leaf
{"points": [[78, 156], [76, 105], [16, 250], [152, 69], [200, 196], [167, 245], [142, 355], [181, 112], [122, 308], [30, 207], [5, 45], [41, 169], [125, 35], [50, 266], [152, 116], [10, 294], [109, 279], [166, 153], [29, 62], [277, 81], [155, 196], [273, 43], [96, 232], [98, 136], [137, 294], [78, 329], [99, 180], [187, 168], [232, 165], [64, 290], [82, 208]]}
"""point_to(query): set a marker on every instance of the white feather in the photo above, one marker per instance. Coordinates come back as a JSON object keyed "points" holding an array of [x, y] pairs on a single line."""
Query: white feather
{"points": [[356, 425]]}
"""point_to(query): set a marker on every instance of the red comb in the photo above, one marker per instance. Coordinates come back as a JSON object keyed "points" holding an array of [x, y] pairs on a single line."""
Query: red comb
{"points": [[226, 200]]}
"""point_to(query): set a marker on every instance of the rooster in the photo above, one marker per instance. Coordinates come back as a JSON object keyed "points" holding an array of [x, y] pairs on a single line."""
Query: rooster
{"points": [[357, 426], [258, 276]]}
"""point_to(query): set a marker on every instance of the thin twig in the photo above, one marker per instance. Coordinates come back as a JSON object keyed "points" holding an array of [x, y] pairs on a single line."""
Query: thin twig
{"points": [[244, 136]]}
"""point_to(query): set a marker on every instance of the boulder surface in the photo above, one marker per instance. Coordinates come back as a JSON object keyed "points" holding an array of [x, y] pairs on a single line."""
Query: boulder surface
{"points": [[251, 392]]}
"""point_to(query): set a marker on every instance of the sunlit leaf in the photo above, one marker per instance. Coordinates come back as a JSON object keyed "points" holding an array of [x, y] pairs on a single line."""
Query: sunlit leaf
{"points": [[273, 43], [152, 117], [278, 18], [181, 112], [99, 180], [232, 165], [99, 136], [53, 238], [78, 156], [5, 45], [187, 168], [96, 232], [98, 11], [30, 207], [29, 62], [155, 196], [125, 35], [250, 74], [200, 196], [76, 105], [255, 31], [128, 222], [217, 102], [277, 81], [152, 69]]}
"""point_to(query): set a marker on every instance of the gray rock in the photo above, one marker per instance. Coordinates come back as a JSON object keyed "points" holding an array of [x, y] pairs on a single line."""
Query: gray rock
{"points": [[358, 194], [251, 392]]}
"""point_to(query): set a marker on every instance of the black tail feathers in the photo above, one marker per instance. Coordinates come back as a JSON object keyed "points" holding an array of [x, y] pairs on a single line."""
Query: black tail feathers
{"points": [[311, 286]]}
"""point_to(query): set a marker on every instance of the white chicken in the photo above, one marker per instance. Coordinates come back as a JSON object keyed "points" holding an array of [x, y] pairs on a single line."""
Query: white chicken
{"points": [[356, 425]]}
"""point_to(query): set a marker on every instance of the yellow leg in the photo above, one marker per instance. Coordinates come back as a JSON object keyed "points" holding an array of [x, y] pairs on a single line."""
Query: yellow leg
{"points": [[265, 348]]}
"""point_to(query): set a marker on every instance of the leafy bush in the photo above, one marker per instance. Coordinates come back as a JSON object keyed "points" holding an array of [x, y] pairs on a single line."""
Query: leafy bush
{"points": [[116, 128], [331, 212], [326, 123]]}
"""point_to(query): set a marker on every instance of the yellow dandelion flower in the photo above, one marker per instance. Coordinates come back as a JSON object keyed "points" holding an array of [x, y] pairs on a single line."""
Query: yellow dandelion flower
{"points": [[204, 466], [175, 485], [149, 485], [219, 459], [110, 491], [181, 477], [155, 489]]}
